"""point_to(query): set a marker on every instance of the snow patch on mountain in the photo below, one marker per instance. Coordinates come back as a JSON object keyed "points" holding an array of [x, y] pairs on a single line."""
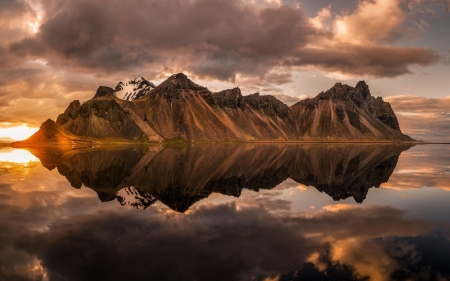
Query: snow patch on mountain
{"points": [[134, 197], [134, 89]]}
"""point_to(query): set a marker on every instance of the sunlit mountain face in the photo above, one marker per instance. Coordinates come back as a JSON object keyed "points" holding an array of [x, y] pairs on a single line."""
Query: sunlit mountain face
{"points": [[227, 212]]}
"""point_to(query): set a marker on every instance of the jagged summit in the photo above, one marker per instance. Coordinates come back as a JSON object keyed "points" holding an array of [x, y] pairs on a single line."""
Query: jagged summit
{"points": [[103, 91], [362, 85], [179, 81], [133, 89]]}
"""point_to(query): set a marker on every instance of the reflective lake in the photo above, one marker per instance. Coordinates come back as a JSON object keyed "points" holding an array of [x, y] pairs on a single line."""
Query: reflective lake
{"points": [[226, 212]]}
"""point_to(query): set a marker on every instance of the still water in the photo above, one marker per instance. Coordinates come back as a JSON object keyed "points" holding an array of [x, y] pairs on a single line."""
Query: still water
{"points": [[226, 212]]}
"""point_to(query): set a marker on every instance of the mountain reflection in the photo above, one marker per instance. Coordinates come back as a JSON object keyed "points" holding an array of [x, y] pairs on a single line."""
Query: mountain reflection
{"points": [[179, 176]]}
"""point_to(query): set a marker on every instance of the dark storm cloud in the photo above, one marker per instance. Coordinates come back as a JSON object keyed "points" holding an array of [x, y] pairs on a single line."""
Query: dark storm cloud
{"points": [[374, 60], [11, 8], [211, 39]]}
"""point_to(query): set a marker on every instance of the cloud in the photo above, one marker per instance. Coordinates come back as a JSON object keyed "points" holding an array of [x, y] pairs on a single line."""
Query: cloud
{"points": [[372, 21], [218, 39], [423, 118], [370, 59]]}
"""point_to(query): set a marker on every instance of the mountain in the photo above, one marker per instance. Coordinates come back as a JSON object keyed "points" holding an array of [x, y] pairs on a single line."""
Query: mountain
{"points": [[182, 175], [180, 110], [52, 134], [344, 112], [133, 89]]}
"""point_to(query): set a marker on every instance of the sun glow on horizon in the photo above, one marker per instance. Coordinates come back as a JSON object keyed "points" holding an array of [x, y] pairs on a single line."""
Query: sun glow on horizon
{"points": [[17, 133], [19, 156]]}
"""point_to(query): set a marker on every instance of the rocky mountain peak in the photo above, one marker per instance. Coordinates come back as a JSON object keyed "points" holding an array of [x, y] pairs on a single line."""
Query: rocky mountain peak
{"points": [[180, 81], [103, 91], [133, 89], [49, 124], [231, 98], [71, 112], [362, 85], [270, 105]]}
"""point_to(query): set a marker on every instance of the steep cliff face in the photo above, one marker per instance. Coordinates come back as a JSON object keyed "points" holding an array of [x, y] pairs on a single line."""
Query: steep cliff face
{"points": [[179, 109], [346, 113]]}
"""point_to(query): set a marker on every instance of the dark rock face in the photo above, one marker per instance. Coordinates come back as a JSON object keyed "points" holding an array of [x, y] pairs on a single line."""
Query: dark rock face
{"points": [[268, 104], [101, 118], [173, 87], [104, 91], [181, 176], [70, 113], [383, 111], [231, 98]]}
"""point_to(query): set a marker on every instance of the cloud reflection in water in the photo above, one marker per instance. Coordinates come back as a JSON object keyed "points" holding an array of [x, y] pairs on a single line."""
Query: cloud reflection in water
{"points": [[62, 233]]}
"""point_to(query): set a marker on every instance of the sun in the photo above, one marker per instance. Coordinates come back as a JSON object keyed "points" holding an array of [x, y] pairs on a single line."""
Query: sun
{"points": [[17, 133]]}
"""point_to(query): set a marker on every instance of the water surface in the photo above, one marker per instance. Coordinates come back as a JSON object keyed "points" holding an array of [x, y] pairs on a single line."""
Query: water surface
{"points": [[226, 212]]}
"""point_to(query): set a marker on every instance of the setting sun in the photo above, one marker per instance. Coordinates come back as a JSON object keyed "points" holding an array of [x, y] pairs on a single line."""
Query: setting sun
{"points": [[17, 133]]}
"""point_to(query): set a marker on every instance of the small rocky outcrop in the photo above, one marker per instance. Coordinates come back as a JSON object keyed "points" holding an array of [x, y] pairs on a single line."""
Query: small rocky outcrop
{"points": [[104, 91], [71, 112], [50, 134]]}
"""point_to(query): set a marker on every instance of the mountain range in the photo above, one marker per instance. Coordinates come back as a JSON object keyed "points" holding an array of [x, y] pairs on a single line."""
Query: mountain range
{"points": [[180, 110]]}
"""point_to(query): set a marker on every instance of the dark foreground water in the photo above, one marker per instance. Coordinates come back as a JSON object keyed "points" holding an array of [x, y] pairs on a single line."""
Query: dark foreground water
{"points": [[226, 212]]}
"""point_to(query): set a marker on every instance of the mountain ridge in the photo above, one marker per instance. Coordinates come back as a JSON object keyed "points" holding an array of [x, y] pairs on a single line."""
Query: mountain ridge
{"points": [[179, 109]]}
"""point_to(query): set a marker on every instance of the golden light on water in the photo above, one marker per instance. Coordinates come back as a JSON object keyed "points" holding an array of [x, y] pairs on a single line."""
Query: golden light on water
{"points": [[17, 133], [18, 156]]}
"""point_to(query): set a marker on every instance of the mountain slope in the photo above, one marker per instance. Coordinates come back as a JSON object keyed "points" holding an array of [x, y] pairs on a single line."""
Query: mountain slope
{"points": [[50, 133]]}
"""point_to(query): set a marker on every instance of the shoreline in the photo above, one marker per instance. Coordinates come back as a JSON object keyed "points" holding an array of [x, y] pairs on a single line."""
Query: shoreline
{"points": [[92, 143]]}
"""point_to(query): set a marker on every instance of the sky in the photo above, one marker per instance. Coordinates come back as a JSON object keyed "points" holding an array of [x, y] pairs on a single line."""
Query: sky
{"points": [[53, 52]]}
